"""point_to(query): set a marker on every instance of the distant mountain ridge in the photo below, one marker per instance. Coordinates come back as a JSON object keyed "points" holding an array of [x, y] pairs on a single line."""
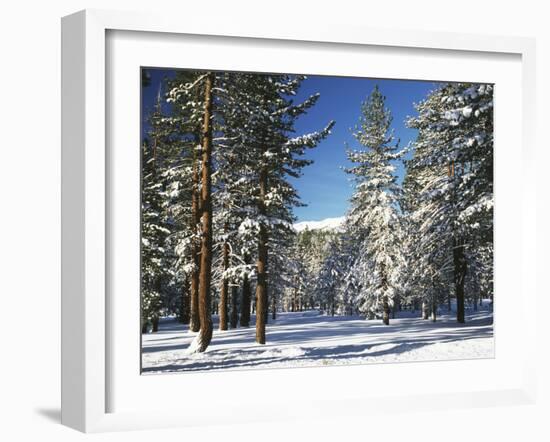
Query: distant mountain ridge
{"points": [[325, 224]]}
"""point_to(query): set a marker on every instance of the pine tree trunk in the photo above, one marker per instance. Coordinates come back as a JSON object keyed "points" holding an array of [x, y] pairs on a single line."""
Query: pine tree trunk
{"points": [[273, 308], [144, 327], [425, 310], [185, 300], [449, 302], [434, 310], [156, 313], [386, 312], [205, 333], [459, 261], [261, 286], [385, 301], [234, 315], [224, 293], [245, 301], [396, 306], [194, 323]]}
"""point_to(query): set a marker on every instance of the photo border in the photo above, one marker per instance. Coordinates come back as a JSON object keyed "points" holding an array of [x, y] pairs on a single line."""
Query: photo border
{"points": [[84, 201]]}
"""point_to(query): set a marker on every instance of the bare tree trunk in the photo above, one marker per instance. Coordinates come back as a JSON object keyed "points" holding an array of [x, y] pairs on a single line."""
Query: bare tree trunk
{"points": [[205, 333], [155, 322], [234, 315], [225, 285], [261, 286], [459, 261], [434, 309]]}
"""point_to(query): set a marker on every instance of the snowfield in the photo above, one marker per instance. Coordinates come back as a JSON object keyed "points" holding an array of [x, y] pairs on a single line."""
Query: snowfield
{"points": [[325, 224], [310, 339]]}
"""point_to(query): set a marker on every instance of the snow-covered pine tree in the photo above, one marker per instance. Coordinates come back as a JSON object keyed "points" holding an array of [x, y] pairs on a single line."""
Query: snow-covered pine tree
{"points": [[330, 276], [349, 284], [374, 207], [311, 253], [153, 233], [428, 249], [453, 166], [245, 120], [270, 155], [193, 95], [155, 223], [185, 95]]}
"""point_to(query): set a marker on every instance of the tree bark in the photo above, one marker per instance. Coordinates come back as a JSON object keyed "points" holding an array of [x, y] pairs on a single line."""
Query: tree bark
{"points": [[459, 262], [205, 333], [155, 322], [261, 286], [224, 292]]}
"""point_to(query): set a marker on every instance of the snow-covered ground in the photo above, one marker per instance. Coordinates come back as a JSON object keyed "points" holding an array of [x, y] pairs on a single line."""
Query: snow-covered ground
{"points": [[310, 339]]}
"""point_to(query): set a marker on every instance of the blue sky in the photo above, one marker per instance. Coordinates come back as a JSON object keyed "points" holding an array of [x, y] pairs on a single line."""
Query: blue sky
{"points": [[324, 186]]}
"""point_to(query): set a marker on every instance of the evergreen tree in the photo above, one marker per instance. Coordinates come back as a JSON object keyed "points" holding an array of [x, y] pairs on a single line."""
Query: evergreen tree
{"points": [[453, 171], [154, 226], [374, 207]]}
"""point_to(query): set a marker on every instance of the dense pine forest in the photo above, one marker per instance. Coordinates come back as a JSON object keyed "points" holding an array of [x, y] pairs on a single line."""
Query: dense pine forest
{"points": [[220, 246]]}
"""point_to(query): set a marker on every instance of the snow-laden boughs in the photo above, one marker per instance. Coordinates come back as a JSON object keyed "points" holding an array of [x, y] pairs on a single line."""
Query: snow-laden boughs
{"points": [[450, 179], [258, 136], [374, 213], [156, 227], [252, 154]]}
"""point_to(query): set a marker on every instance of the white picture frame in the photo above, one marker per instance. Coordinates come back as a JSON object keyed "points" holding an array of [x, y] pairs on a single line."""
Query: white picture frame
{"points": [[85, 236]]}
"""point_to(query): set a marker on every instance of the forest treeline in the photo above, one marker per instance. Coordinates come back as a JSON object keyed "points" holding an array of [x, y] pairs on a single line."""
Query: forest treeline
{"points": [[218, 157]]}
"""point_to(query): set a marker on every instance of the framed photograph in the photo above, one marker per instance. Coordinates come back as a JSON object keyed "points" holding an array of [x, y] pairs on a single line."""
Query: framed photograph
{"points": [[298, 216]]}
